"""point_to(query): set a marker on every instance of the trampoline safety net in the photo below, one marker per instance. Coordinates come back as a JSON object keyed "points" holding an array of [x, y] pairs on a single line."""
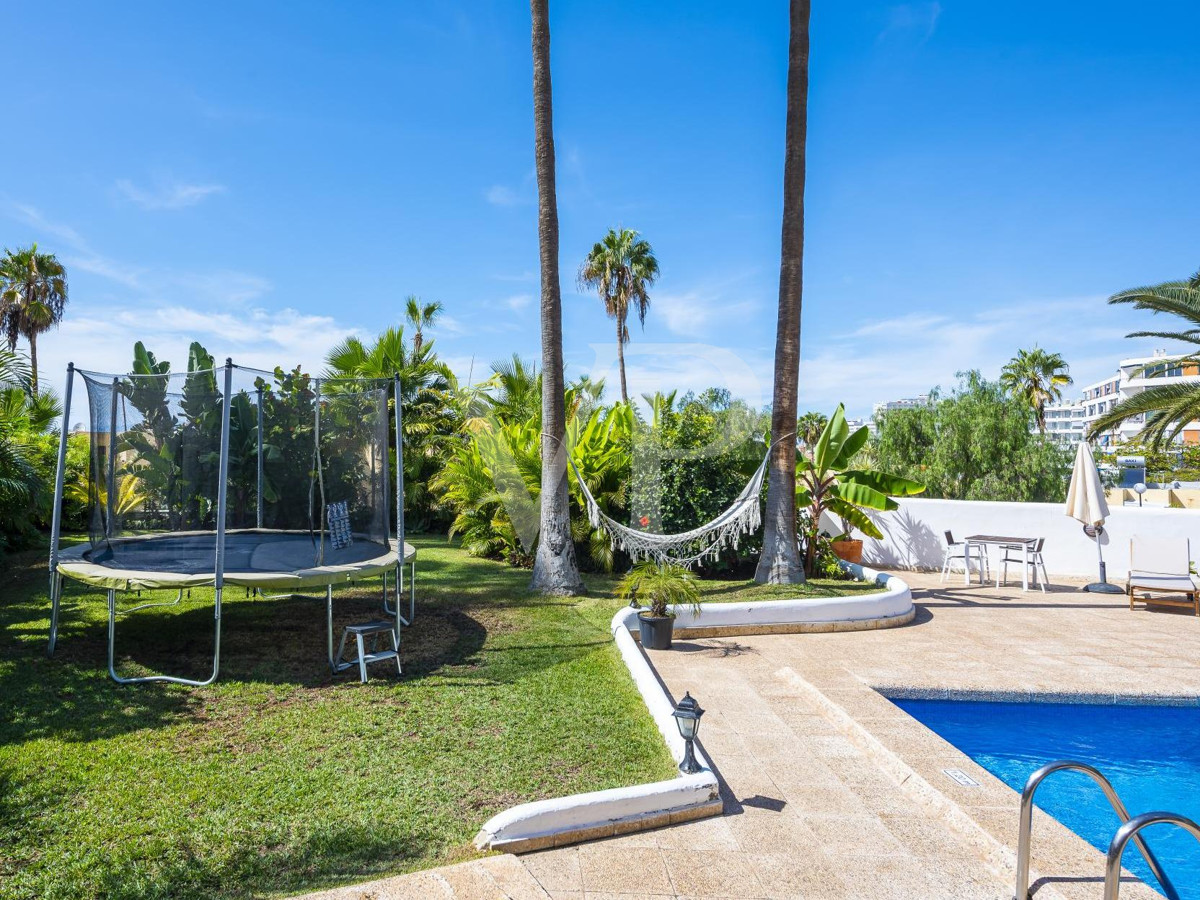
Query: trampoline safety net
{"points": [[297, 447]]}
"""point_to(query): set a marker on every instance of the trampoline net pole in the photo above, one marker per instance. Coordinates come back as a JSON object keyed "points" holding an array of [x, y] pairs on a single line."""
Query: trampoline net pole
{"points": [[319, 478], [259, 516], [223, 481], [399, 471], [111, 486], [56, 512]]}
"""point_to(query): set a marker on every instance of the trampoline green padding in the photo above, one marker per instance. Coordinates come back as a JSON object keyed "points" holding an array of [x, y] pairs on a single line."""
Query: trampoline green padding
{"points": [[254, 558]]}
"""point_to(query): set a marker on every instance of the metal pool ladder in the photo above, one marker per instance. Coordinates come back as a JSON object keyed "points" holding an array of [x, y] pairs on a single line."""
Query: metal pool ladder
{"points": [[1130, 829]]}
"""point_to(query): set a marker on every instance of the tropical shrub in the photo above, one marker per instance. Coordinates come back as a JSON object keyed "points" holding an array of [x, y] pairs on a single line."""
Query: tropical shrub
{"points": [[28, 453], [432, 406], [691, 458], [975, 443], [492, 480]]}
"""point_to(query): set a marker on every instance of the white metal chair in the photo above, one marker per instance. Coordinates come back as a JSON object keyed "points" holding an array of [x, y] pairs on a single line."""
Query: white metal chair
{"points": [[1160, 570], [1016, 554], [956, 551]]}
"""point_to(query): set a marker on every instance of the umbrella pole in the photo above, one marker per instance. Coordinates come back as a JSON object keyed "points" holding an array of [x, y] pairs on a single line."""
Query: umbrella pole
{"points": [[1102, 586]]}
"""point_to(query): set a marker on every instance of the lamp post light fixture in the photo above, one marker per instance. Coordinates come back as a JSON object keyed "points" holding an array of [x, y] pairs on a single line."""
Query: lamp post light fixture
{"points": [[687, 717], [1141, 489]]}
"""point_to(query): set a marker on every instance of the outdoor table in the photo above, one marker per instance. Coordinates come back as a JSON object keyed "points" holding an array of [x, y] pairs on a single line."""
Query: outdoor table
{"points": [[981, 541]]}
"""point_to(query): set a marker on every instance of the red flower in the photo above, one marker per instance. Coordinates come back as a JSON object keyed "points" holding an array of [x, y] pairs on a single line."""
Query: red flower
{"points": [[644, 521]]}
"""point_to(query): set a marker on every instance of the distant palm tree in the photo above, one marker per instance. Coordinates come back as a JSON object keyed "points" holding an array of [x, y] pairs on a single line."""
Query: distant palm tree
{"points": [[33, 297], [621, 267], [427, 389], [779, 562], [516, 394], [555, 570], [1037, 378], [809, 427], [420, 316], [1169, 407]]}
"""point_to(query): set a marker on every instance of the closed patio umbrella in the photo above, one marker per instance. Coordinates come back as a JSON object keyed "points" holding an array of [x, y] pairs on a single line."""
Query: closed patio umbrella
{"points": [[1086, 503]]}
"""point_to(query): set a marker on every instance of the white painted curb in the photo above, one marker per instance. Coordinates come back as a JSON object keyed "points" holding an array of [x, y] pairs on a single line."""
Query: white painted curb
{"points": [[576, 817], [895, 600]]}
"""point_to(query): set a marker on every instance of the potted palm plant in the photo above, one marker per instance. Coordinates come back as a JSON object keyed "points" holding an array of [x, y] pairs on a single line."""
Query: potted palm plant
{"points": [[660, 586]]}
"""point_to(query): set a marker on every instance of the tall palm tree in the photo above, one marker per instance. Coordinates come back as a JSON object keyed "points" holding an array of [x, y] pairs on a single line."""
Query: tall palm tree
{"points": [[420, 316], [1168, 408], [33, 297], [780, 560], [1036, 378], [621, 268], [555, 570]]}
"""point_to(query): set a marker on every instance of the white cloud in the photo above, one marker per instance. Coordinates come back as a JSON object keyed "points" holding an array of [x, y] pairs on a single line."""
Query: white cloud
{"points": [[100, 340], [911, 21], [503, 195], [693, 313], [448, 326], [682, 367], [526, 276], [167, 193], [33, 217], [892, 358], [518, 302]]}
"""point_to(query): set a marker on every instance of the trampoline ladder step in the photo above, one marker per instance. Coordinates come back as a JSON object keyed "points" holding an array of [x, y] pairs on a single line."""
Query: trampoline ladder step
{"points": [[361, 632]]}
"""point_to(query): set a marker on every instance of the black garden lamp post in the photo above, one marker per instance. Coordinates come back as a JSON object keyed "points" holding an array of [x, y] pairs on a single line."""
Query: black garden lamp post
{"points": [[687, 716]]}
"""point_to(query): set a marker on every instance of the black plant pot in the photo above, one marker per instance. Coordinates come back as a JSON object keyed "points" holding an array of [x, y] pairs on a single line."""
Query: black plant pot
{"points": [[655, 631]]}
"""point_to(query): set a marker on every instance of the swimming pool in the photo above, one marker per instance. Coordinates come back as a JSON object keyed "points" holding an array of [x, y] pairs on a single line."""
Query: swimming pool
{"points": [[1151, 754]]}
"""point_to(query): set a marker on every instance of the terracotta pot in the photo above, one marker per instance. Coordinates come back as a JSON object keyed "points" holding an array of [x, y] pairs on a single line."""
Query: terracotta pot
{"points": [[850, 551], [655, 631]]}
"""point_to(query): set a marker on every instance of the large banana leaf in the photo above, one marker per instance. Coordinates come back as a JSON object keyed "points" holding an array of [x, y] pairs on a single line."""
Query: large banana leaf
{"points": [[840, 507], [885, 483], [863, 495]]}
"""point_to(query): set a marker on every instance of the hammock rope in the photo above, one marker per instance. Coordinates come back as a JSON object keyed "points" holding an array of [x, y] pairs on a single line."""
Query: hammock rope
{"points": [[742, 517]]}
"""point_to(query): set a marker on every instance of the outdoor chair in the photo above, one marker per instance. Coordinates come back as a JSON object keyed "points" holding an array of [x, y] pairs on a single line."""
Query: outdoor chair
{"points": [[1016, 554], [1160, 573], [956, 551]]}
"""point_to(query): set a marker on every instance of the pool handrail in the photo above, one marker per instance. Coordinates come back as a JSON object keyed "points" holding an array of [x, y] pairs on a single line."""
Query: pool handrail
{"points": [[1025, 830], [1130, 830]]}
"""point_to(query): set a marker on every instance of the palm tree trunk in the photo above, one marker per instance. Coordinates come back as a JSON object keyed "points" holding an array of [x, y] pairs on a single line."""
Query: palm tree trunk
{"points": [[554, 567], [33, 378], [621, 357], [780, 562]]}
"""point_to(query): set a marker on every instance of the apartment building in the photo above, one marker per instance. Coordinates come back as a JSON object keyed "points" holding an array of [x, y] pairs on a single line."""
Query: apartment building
{"points": [[1068, 422]]}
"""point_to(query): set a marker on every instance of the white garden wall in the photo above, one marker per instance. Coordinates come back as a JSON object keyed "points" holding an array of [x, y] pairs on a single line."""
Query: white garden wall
{"points": [[913, 533]]}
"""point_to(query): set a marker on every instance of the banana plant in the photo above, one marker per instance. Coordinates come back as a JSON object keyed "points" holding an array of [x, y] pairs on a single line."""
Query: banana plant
{"points": [[826, 481]]}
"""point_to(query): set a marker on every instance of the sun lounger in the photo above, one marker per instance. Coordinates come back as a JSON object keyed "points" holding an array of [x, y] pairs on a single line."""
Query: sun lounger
{"points": [[1160, 573]]}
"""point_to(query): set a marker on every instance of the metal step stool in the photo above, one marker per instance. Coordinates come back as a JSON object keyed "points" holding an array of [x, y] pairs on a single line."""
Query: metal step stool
{"points": [[371, 630]]}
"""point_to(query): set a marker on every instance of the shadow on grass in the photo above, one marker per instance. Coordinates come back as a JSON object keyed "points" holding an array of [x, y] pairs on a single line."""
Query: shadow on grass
{"points": [[279, 641]]}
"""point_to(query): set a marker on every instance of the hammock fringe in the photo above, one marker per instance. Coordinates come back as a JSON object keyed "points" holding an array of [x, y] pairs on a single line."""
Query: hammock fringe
{"points": [[743, 517]]}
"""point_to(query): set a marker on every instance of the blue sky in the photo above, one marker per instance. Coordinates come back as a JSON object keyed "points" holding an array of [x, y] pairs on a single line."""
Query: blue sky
{"points": [[268, 178]]}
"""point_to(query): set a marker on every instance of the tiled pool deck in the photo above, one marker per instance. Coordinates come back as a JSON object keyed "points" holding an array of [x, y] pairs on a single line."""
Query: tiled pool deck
{"points": [[831, 792]]}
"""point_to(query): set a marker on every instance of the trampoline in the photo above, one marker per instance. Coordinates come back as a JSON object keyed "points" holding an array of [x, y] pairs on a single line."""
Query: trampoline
{"points": [[281, 485]]}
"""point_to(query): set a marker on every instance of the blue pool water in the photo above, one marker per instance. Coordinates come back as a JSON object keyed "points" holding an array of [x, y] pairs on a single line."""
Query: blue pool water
{"points": [[1151, 754]]}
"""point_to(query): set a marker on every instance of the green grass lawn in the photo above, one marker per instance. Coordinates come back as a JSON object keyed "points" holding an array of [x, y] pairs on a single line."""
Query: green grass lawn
{"points": [[280, 778]]}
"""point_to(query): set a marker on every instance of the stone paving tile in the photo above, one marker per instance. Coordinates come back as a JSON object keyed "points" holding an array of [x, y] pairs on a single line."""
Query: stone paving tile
{"points": [[712, 873], [806, 876], [628, 870], [555, 871]]}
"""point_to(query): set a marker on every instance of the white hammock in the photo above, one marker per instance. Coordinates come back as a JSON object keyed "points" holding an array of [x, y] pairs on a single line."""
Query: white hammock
{"points": [[742, 517]]}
